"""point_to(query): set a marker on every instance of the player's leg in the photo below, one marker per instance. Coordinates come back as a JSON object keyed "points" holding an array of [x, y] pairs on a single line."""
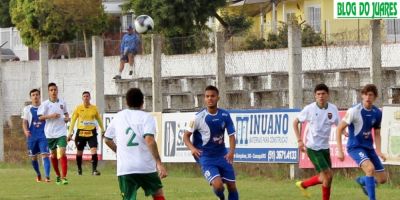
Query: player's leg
{"points": [[52, 142], [80, 145], [326, 175], [62, 144], [228, 176], [380, 174], [93, 150], [128, 186], [315, 157], [211, 173], [367, 182], [123, 60], [44, 151], [33, 148], [131, 60], [151, 184]]}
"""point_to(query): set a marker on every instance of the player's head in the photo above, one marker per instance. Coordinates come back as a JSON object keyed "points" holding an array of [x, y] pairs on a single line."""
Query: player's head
{"points": [[211, 96], [130, 29], [35, 95], [53, 90], [321, 94], [134, 98], [86, 97], [369, 94]]}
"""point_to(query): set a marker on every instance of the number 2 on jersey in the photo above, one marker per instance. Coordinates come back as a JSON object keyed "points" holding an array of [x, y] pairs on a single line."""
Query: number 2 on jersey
{"points": [[129, 131]]}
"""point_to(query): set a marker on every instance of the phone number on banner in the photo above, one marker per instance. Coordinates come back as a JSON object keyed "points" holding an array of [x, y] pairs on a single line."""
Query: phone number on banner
{"points": [[270, 155]]}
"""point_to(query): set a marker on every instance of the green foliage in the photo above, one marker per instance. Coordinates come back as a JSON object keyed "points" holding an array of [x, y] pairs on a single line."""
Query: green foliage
{"points": [[178, 19], [254, 43], [237, 24], [5, 18], [280, 40], [56, 21]]}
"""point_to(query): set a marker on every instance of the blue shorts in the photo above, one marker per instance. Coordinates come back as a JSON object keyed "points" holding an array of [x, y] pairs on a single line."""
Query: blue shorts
{"points": [[218, 166], [37, 146], [360, 155]]}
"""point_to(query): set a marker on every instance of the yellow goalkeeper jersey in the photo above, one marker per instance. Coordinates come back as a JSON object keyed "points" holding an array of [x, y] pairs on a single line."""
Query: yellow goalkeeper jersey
{"points": [[87, 117]]}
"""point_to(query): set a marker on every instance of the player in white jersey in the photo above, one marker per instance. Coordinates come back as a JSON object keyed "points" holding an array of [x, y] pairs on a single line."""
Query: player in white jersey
{"points": [[131, 135], [320, 116], [54, 111]]}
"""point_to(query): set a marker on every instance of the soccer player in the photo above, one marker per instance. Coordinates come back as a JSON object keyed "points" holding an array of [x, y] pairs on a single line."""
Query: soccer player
{"points": [[208, 147], [320, 116], [88, 117], [34, 132], [360, 120], [54, 111], [133, 131], [129, 47]]}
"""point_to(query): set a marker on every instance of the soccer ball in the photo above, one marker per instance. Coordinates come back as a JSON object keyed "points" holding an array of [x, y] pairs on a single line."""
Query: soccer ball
{"points": [[144, 23]]}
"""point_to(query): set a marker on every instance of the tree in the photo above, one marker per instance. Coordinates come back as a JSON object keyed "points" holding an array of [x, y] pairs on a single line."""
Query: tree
{"points": [[57, 21], [235, 24], [178, 19], [5, 18]]}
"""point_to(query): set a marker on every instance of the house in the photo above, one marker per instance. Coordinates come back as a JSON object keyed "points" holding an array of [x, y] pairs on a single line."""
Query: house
{"points": [[267, 15]]}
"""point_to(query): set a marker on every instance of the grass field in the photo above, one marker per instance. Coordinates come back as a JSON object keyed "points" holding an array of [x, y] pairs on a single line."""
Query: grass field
{"points": [[18, 182]]}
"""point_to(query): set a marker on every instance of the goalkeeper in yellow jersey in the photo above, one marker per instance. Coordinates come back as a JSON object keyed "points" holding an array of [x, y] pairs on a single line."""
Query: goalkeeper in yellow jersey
{"points": [[87, 116]]}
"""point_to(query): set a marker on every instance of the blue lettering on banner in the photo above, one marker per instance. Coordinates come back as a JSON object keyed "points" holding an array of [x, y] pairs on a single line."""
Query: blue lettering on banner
{"points": [[270, 155], [276, 123]]}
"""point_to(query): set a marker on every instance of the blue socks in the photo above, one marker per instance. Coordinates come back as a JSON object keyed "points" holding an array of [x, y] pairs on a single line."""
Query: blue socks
{"points": [[220, 194], [46, 164], [35, 165], [370, 186], [233, 195]]}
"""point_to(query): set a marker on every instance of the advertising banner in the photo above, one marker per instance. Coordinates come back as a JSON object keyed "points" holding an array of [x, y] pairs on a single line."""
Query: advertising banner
{"points": [[390, 134]]}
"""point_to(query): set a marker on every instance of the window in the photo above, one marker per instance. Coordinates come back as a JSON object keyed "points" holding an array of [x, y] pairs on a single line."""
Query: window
{"points": [[314, 17], [392, 26], [127, 20]]}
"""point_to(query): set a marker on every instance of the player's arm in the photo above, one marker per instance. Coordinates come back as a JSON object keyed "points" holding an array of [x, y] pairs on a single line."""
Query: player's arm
{"points": [[230, 128], [186, 139], [25, 128], [296, 128], [339, 131], [152, 145], [99, 121], [75, 116], [378, 140], [111, 144], [66, 114]]}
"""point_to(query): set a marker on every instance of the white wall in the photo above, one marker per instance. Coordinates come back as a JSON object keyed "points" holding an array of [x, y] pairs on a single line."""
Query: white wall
{"points": [[75, 75]]}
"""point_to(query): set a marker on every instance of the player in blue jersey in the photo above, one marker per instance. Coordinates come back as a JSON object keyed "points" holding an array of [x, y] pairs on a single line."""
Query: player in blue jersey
{"points": [[36, 139], [360, 120], [208, 146]]}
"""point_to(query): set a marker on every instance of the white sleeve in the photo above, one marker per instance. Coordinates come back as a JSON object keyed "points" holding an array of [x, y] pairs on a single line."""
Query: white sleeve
{"points": [[25, 113], [192, 125], [303, 116], [42, 110], [149, 126], [110, 132], [337, 117], [349, 117]]}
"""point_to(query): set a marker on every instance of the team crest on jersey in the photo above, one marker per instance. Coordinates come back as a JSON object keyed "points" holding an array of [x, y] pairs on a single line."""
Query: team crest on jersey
{"points": [[330, 115], [366, 134], [62, 107]]}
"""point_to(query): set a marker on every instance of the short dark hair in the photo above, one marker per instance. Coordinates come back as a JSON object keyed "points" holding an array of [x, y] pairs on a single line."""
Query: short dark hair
{"points": [[51, 84], [34, 90], [134, 98], [86, 92], [320, 87], [370, 88], [212, 88]]}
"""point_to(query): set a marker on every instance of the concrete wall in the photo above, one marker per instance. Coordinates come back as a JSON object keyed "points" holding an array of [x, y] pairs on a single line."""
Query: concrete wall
{"points": [[255, 79]]}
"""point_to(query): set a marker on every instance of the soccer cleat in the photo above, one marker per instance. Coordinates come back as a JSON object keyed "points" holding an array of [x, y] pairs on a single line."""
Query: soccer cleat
{"points": [[58, 180], [117, 77], [364, 189], [47, 180], [96, 173], [303, 190], [64, 181], [130, 73], [38, 179], [79, 172]]}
